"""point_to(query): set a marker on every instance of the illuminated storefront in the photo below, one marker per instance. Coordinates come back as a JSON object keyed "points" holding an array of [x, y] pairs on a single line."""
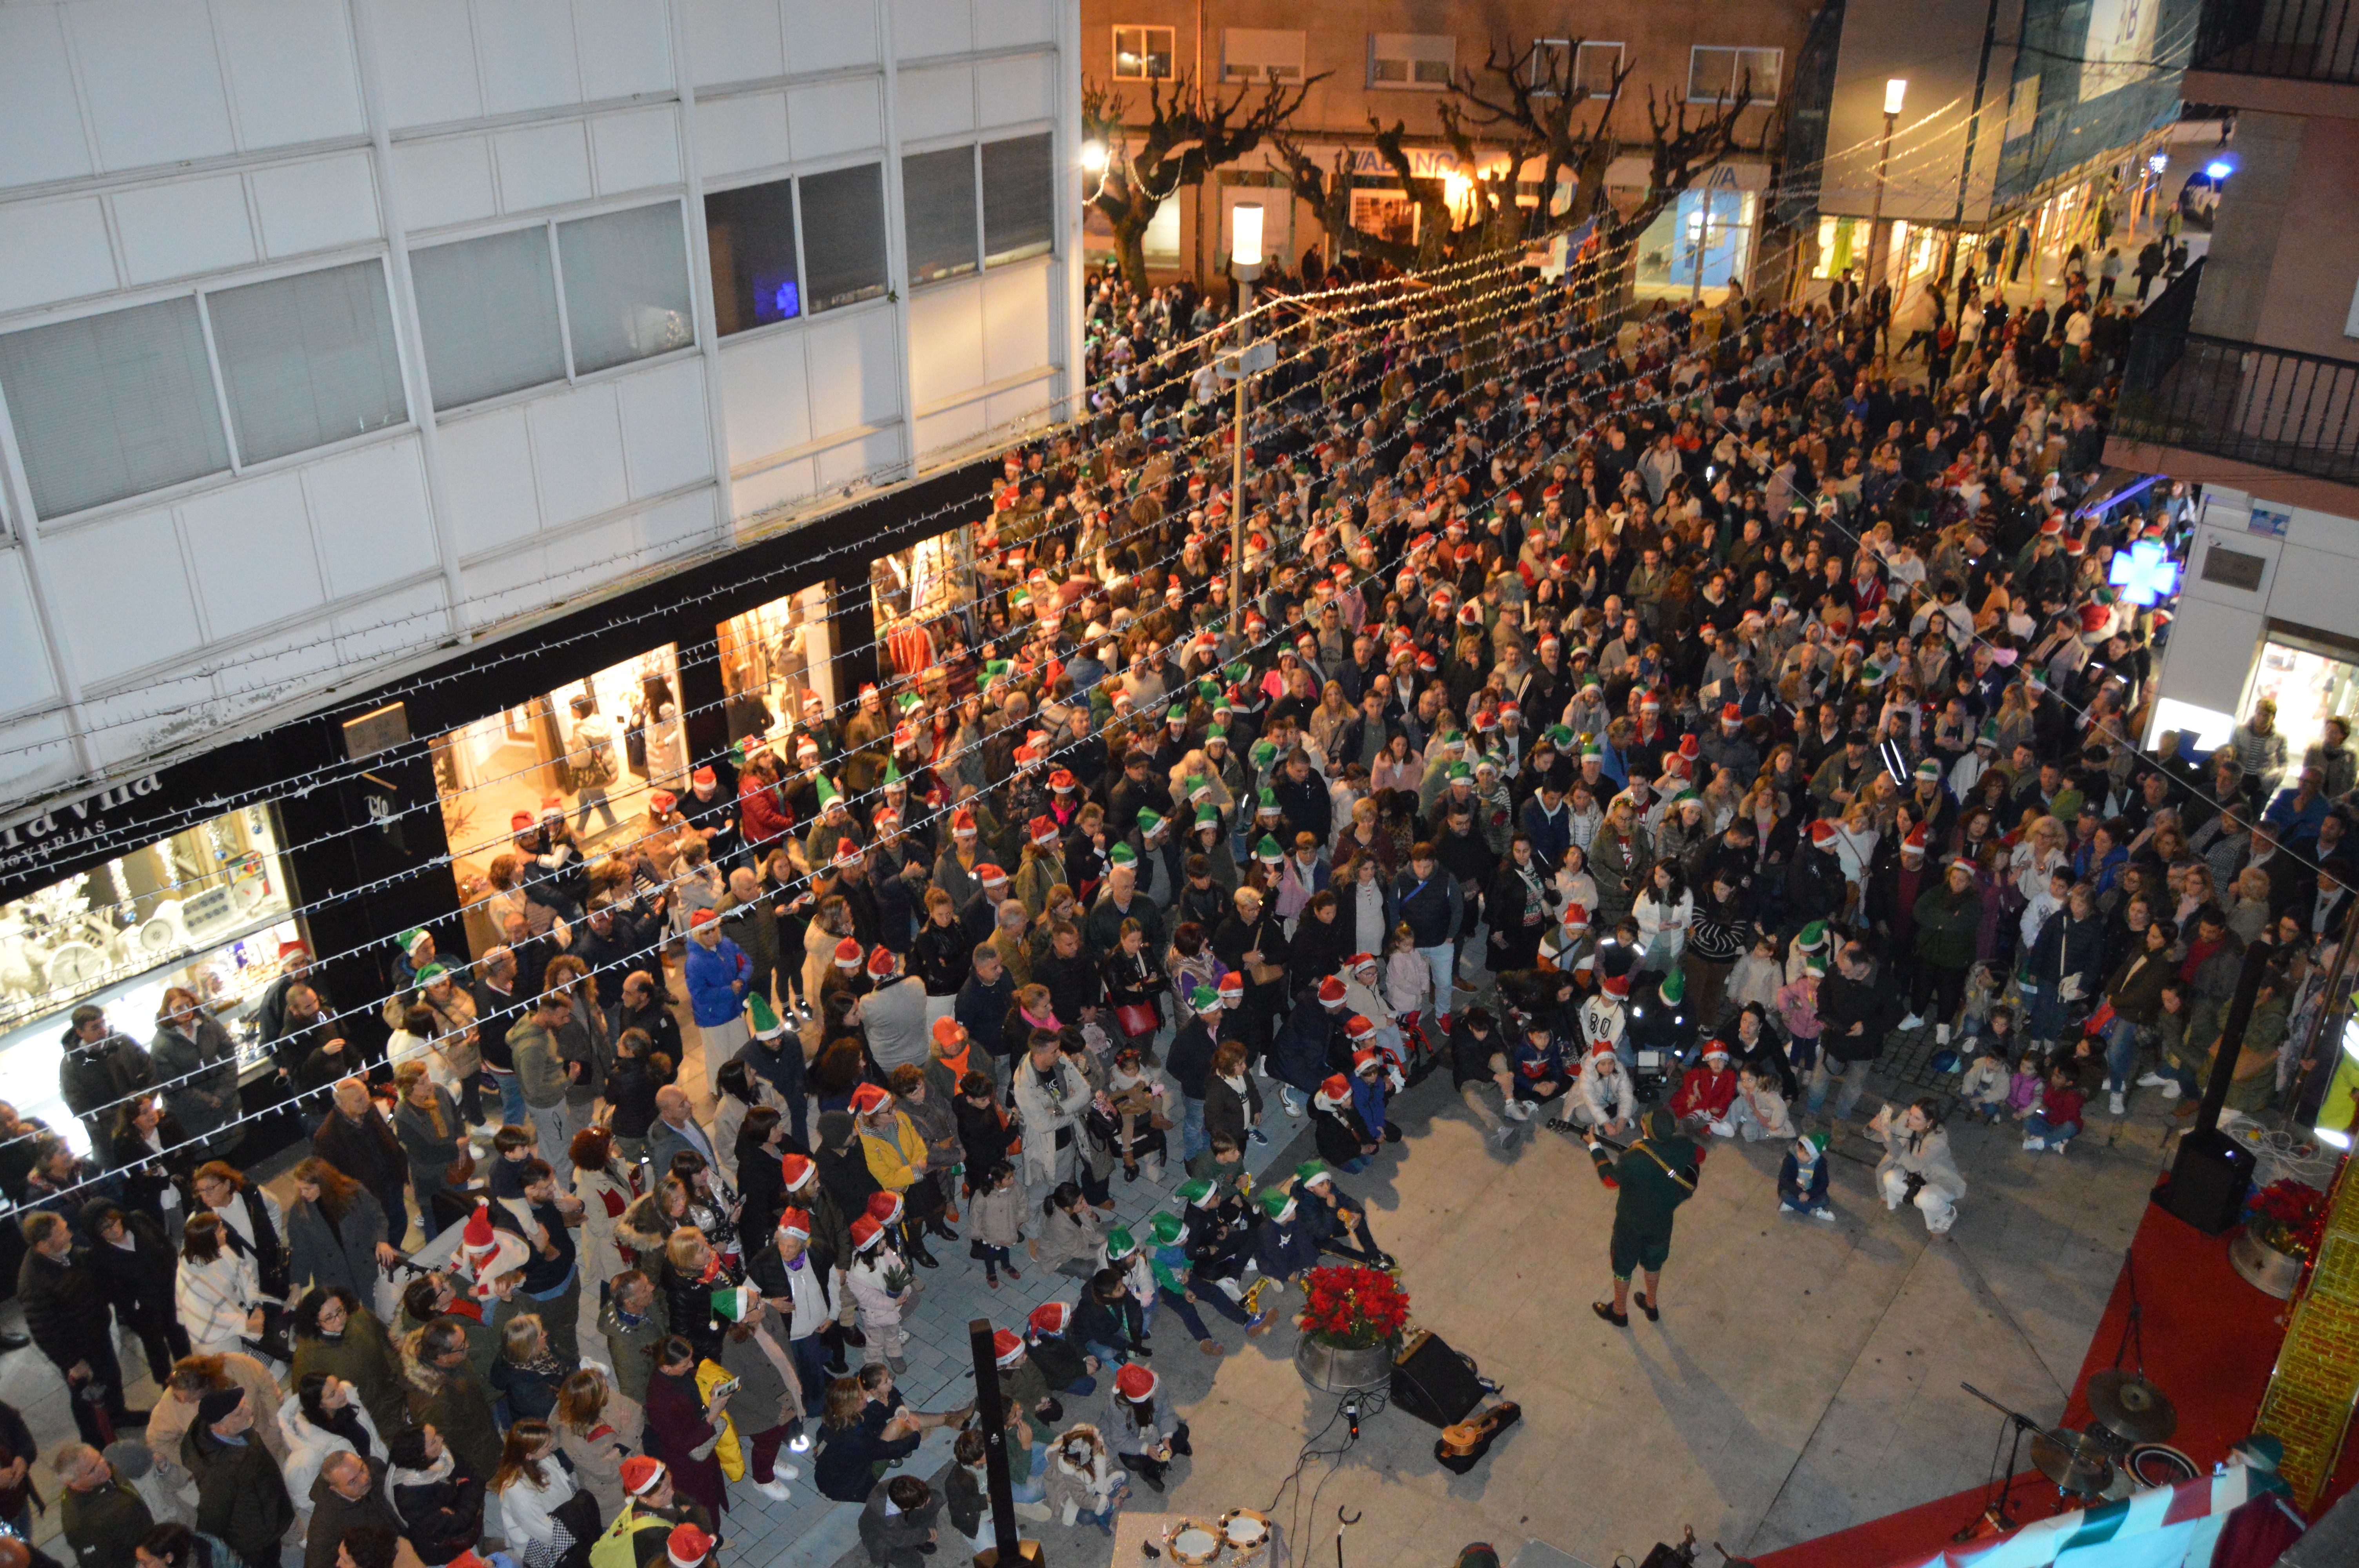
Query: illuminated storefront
{"points": [[1702, 242], [209, 908], [771, 658]]}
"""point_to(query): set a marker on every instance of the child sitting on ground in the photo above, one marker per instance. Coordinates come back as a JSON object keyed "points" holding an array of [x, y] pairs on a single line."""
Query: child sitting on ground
{"points": [[1988, 1081], [1759, 1109], [2051, 1127], [2023, 1085], [1802, 1178]]}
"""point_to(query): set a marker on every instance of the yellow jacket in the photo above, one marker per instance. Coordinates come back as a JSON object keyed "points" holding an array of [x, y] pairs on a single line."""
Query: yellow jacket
{"points": [[726, 1451], [898, 1161]]}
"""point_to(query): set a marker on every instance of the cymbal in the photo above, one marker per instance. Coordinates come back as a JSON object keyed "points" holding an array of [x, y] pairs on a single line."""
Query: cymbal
{"points": [[2129, 1406], [2073, 1460]]}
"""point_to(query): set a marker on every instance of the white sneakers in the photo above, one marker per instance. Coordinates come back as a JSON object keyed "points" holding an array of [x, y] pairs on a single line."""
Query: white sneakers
{"points": [[2118, 1104], [2170, 1088], [2035, 1144], [774, 1490], [1911, 1022], [1940, 1034], [2153, 1080], [1515, 1109]]}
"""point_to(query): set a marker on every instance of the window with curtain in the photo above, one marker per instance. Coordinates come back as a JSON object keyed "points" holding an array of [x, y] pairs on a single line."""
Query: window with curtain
{"points": [[626, 286], [750, 233], [938, 213], [308, 360], [1020, 200], [112, 405], [487, 316], [844, 235]]}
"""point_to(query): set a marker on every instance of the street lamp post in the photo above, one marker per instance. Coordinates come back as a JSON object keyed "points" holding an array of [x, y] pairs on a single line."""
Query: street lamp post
{"points": [[1895, 90], [1244, 259]]}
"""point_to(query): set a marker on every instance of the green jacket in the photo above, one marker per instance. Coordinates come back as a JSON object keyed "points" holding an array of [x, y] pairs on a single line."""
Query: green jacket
{"points": [[104, 1527], [460, 1407], [1948, 925], [540, 1065], [1650, 1193]]}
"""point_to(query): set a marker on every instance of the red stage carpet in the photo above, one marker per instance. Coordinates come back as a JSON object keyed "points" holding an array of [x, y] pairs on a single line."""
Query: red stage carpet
{"points": [[2209, 1340]]}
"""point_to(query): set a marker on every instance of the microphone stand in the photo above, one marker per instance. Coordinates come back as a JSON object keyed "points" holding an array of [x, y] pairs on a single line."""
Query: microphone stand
{"points": [[1994, 1511]]}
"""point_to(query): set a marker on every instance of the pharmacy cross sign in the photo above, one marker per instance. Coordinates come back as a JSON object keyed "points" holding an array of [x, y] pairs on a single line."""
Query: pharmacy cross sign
{"points": [[2145, 573]]}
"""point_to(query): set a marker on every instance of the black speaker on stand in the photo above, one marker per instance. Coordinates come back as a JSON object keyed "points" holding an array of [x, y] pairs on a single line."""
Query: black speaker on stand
{"points": [[1434, 1384], [2212, 1172]]}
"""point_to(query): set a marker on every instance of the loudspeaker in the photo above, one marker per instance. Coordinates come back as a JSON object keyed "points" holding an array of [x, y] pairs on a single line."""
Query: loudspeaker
{"points": [[2208, 1182], [1435, 1383]]}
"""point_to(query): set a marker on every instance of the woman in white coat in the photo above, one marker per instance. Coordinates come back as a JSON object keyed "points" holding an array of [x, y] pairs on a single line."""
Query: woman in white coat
{"points": [[608, 1187], [218, 1292], [322, 1416], [1916, 1167], [534, 1488], [1664, 911]]}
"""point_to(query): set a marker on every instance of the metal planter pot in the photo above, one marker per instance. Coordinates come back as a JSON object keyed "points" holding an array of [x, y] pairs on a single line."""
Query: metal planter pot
{"points": [[2265, 1267], [1335, 1369]]}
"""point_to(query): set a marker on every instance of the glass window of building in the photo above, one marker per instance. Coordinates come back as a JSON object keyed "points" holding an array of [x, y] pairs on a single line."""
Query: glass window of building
{"points": [[587, 753], [772, 658], [626, 286], [1701, 242], [1142, 54], [938, 210], [913, 591], [209, 908], [750, 233], [2311, 680], [487, 313], [844, 235], [1020, 200]]}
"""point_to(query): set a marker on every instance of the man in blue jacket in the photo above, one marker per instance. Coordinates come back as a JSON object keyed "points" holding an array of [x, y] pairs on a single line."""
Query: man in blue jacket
{"points": [[1307, 1053], [1428, 901], [718, 975], [1285, 1245]]}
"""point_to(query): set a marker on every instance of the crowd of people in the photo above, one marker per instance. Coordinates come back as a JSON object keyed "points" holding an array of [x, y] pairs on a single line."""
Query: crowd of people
{"points": [[1627, 701]]}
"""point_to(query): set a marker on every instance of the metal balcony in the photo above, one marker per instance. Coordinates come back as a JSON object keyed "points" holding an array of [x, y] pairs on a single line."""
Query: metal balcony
{"points": [[2271, 407], [2301, 40]]}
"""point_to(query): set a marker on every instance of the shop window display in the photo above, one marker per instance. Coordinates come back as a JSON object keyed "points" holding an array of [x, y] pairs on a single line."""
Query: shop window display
{"points": [[588, 752], [917, 592], [209, 908], [773, 660], [2310, 685]]}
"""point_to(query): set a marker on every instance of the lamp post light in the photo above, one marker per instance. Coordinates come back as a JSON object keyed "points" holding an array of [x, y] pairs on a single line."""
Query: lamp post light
{"points": [[1895, 90], [1244, 259]]}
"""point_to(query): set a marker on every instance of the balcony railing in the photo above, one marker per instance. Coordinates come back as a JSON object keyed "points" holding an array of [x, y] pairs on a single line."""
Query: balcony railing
{"points": [[2307, 40], [2270, 407]]}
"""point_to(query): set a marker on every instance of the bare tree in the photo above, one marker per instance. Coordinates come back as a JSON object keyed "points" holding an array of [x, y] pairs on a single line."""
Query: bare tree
{"points": [[1188, 135], [1518, 106]]}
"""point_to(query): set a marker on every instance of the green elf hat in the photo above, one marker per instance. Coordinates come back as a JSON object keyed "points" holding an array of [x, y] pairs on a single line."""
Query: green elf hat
{"points": [[1675, 988], [432, 972], [763, 1020], [1277, 1204], [1594, 748], [1166, 1227], [1238, 671], [1198, 787], [1814, 963], [1811, 937], [1149, 823], [1119, 1243], [998, 669], [1817, 1141], [1266, 801], [1176, 709], [1121, 855], [1873, 673], [1559, 735], [1208, 817], [412, 939], [1453, 740], [1210, 690], [734, 1301], [1264, 753], [1309, 1172], [1268, 851], [1204, 999], [910, 702], [828, 794], [892, 775], [1929, 770], [1461, 771], [1196, 1190], [738, 752], [1019, 599], [1221, 731]]}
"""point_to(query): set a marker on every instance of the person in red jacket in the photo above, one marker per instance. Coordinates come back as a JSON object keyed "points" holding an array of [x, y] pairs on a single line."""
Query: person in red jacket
{"points": [[1707, 1090]]}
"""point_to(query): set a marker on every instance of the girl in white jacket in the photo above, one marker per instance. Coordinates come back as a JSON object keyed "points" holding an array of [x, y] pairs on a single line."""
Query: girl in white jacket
{"points": [[1664, 912], [315, 1419], [532, 1484], [218, 1292]]}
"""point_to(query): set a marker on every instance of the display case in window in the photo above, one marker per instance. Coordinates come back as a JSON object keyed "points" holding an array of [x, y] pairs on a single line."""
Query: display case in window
{"points": [[209, 908], [916, 593], [772, 658]]}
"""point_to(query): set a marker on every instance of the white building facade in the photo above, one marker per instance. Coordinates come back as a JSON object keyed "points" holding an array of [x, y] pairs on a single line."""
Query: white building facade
{"points": [[335, 334]]}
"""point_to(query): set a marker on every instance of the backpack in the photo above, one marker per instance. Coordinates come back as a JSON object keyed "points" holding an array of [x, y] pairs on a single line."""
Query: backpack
{"points": [[616, 1546]]}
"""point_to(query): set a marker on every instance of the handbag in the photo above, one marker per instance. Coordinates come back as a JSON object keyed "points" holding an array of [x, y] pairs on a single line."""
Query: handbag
{"points": [[459, 1171], [1138, 1018]]}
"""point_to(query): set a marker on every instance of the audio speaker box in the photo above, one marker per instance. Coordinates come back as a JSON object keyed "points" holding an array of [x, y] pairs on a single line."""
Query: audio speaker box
{"points": [[1433, 1382], [2208, 1181]]}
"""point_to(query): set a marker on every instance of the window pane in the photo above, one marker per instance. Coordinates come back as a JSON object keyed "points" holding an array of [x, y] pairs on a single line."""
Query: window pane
{"points": [[938, 213], [751, 234], [626, 286], [1020, 201], [1435, 70], [1762, 67], [844, 235], [112, 406], [487, 312], [308, 360], [1710, 71]]}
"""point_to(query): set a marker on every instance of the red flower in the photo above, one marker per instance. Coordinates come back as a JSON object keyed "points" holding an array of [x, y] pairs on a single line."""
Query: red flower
{"points": [[1352, 1307]]}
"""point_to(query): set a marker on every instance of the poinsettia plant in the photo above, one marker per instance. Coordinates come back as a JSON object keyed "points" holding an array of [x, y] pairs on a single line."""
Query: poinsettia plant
{"points": [[2289, 1216], [1352, 1308]]}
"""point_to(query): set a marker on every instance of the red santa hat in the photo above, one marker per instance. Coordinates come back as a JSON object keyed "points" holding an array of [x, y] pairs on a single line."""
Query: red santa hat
{"points": [[882, 962], [867, 1100], [1915, 843], [1713, 1051], [847, 955], [883, 1207], [1044, 831], [1359, 1028], [1135, 1382], [1050, 1317], [702, 917], [1576, 917], [1615, 985], [1330, 993], [962, 823], [865, 1233], [1731, 715], [1006, 1347], [990, 876], [794, 1170], [1823, 833]]}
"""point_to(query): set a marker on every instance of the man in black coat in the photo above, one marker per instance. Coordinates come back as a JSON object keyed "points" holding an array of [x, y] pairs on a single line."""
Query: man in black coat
{"points": [[241, 1492], [1851, 1013], [66, 1313], [99, 1068]]}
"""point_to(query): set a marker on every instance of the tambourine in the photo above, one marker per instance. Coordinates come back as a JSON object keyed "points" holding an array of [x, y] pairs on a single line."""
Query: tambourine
{"points": [[1195, 1543]]}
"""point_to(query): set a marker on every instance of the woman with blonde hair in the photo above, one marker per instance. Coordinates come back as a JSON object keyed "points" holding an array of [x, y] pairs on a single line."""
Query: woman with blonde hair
{"points": [[547, 1519], [598, 1426], [646, 1228], [526, 1372], [1333, 712], [2036, 856]]}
